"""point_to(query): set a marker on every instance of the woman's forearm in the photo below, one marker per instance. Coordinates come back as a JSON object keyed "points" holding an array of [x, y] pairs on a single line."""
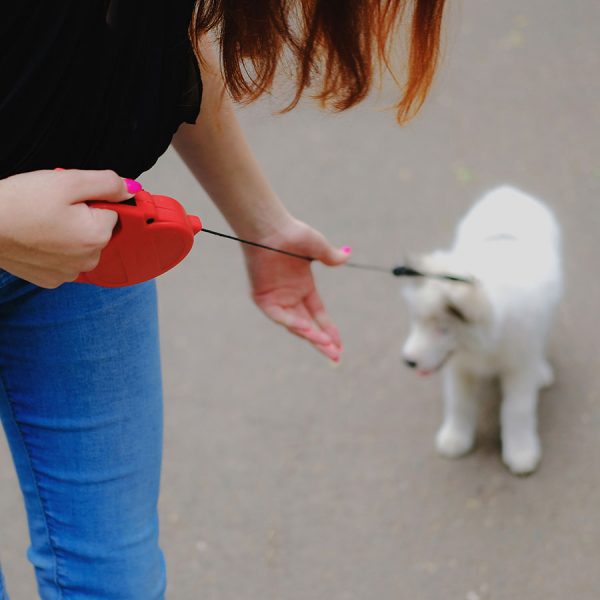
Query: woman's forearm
{"points": [[216, 152]]}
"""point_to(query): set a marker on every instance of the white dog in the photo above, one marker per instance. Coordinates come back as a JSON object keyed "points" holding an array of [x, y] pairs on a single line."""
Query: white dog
{"points": [[495, 327]]}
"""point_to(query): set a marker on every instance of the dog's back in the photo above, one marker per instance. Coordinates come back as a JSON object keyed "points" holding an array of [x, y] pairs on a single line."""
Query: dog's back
{"points": [[511, 242]]}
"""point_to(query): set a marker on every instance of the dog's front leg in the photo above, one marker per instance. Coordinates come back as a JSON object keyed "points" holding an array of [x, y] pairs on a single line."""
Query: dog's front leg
{"points": [[456, 436], [521, 448]]}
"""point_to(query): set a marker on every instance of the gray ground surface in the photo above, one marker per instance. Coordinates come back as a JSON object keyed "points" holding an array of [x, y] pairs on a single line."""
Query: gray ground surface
{"points": [[286, 479]]}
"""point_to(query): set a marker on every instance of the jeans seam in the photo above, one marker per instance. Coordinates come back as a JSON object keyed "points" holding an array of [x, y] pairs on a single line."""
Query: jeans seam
{"points": [[37, 488]]}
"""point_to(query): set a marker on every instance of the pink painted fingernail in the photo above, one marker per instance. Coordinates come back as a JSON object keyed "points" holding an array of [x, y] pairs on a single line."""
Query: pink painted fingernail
{"points": [[133, 187], [347, 249]]}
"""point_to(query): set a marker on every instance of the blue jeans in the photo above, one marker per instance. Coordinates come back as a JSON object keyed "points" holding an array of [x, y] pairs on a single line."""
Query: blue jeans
{"points": [[81, 405]]}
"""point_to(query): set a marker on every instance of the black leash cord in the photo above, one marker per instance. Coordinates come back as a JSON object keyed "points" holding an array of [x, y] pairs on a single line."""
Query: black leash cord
{"points": [[399, 271], [231, 237]]}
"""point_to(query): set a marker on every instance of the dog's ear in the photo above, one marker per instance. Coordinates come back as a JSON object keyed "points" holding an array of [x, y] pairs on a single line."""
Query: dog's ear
{"points": [[466, 302]]}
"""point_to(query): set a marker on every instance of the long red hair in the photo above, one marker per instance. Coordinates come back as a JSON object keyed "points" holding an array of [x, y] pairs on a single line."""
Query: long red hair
{"points": [[339, 48]]}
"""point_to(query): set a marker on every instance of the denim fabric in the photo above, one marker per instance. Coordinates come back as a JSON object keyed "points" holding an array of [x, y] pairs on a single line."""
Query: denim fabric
{"points": [[81, 405]]}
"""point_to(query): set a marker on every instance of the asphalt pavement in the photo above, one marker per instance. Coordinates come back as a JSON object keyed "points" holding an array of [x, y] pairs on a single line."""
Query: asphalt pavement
{"points": [[288, 479]]}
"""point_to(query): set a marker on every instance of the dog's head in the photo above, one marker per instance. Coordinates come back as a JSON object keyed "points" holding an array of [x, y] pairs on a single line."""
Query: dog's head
{"points": [[443, 314]]}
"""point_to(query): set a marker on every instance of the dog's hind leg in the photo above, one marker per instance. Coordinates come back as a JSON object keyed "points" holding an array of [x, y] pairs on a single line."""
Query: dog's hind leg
{"points": [[456, 436]]}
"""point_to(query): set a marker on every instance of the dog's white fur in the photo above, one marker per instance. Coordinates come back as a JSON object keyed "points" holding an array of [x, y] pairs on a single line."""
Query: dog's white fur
{"points": [[510, 244]]}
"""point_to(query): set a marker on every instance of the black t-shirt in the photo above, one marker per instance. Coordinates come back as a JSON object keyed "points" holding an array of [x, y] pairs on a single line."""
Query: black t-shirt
{"points": [[94, 84]]}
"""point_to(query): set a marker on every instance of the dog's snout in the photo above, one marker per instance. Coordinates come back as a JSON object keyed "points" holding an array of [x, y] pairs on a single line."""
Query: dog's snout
{"points": [[410, 363]]}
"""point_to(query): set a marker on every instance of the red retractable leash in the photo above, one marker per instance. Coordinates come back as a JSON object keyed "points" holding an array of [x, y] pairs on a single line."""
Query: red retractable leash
{"points": [[152, 235]]}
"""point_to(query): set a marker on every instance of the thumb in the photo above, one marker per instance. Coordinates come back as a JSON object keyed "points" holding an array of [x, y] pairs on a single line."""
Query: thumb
{"points": [[331, 256], [98, 185]]}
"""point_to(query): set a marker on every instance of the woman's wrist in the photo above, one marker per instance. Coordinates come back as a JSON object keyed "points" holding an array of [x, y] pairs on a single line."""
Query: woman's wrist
{"points": [[255, 220]]}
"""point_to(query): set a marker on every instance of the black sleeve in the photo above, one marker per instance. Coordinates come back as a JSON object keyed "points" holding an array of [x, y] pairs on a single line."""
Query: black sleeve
{"points": [[94, 84]]}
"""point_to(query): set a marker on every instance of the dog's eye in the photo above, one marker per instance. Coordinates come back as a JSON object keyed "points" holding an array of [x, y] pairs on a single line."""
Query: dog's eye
{"points": [[455, 312]]}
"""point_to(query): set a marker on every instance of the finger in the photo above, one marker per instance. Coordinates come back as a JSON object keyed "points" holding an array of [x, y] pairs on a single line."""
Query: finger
{"points": [[298, 323], [310, 332], [331, 351], [105, 220], [98, 185], [313, 335], [326, 324], [284, 317], [317, 311]]}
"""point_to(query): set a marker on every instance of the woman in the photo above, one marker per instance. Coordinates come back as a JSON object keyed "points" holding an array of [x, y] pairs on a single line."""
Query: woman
{"points": [[101, 88]]}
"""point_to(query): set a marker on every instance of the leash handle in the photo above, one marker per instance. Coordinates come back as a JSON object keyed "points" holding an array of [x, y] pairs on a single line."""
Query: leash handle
{"points": [[152, 235]]}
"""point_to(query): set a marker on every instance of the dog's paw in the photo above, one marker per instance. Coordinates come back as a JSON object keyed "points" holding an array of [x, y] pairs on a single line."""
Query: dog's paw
{"points": [[546, 376], [452, 441], [522, 457]]}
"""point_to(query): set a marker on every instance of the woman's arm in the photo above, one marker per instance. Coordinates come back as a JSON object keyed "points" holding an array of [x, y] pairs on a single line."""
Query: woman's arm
{"points": [[216, 152]]}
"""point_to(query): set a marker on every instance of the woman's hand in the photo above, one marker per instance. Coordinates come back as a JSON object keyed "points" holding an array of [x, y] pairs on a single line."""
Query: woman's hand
{"points": [[48, 234], [284, 289]]}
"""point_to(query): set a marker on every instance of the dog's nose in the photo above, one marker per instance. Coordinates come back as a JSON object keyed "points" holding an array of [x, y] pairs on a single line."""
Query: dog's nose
{"points": [[410, 363]]}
